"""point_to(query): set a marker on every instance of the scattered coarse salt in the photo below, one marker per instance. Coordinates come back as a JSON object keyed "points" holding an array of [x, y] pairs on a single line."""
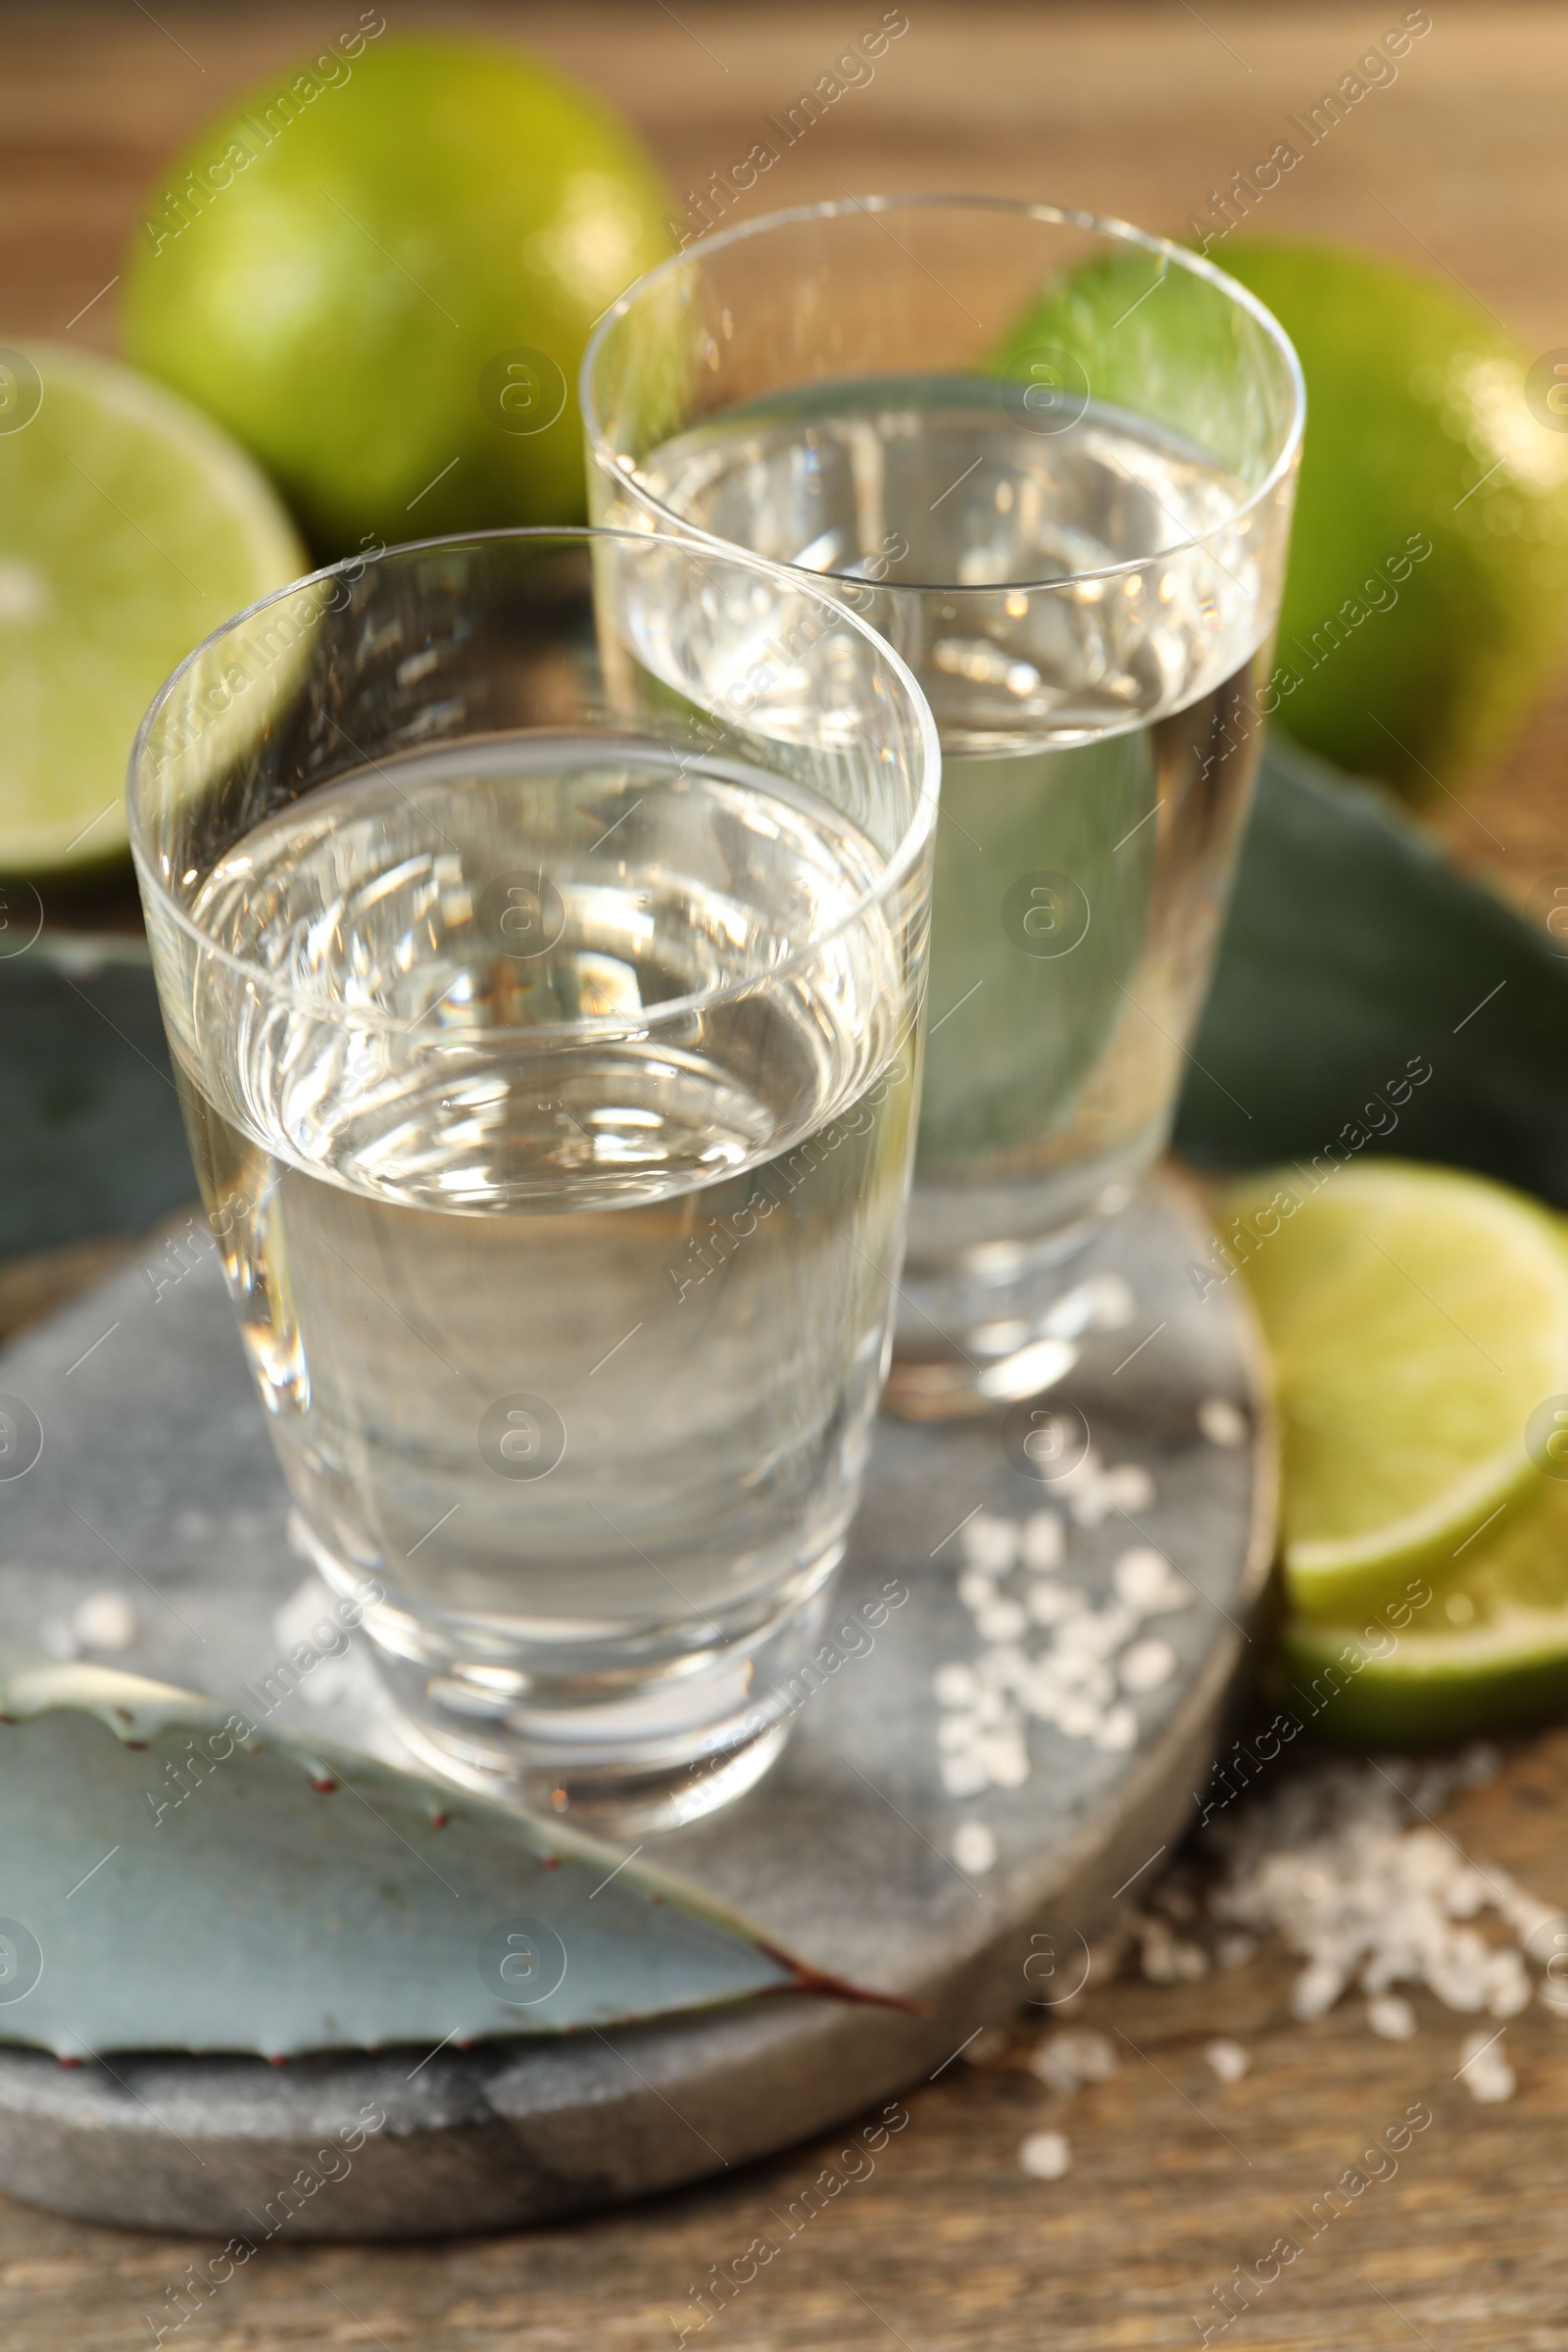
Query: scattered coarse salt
{"points": [[974, 1848], [1236, 1950], [1344, 1865], [1222, 1423], [1483, 2070], [1228, 2059], [1081, 1677], [1147, 1665], [1046, 2155], [104, 1621]]}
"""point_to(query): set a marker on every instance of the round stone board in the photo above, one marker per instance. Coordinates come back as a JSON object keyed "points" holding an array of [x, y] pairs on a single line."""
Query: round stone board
{"points": [[897, 1841]]}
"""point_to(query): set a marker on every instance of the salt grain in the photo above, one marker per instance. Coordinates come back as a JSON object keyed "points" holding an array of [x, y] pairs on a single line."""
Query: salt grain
{"points": [[1170, 1959], [1046, 2155], [989, 1542], [1316, 1989], [1079, 1718], [954, 1684], [1068, 2059], [1147, 1665], [1146, 1581], [1043, 1546], [1390, 2015], [1007, 1761], [1228, 2059], [104, 1621], [1093, 2055], [1050, 1604], [1128, 1488], [1483, 2070], [974, 1848], [1222, 1423]]}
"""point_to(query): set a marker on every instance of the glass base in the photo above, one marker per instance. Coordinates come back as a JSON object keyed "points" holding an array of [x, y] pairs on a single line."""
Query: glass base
{"points": [[998, 1324], [611, 1742], [614, 1800]]}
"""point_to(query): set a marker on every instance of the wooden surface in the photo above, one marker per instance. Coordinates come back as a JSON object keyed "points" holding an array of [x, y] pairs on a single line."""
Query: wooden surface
{"points": [[947, 2243]]}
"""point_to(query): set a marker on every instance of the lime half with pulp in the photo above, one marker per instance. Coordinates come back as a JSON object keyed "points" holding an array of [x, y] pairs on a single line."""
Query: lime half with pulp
{"points": [[1416, 1319], [130, 528]]}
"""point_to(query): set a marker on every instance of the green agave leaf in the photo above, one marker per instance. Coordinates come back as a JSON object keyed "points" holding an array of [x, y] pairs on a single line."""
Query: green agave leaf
{"points": [[1351, 948], [188, 1885]]}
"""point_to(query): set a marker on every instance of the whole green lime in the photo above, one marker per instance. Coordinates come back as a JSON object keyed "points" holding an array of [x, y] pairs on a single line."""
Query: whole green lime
{"points": [[380, 273], [1428, 588]]}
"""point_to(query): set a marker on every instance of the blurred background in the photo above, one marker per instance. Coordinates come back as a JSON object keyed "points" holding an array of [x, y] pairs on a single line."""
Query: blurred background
{"points": [[1455, 165], [1448, 160]]}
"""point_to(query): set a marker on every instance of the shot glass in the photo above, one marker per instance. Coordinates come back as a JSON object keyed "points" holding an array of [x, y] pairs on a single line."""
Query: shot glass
{"points": [[539, 921], [1052, 459]]}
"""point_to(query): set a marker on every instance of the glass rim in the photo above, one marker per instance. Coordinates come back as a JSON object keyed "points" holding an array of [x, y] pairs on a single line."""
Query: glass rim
{"points": [[1053, 215], [913, 833]]}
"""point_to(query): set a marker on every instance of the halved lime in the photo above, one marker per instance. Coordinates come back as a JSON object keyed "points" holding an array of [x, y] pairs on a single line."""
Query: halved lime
{"points": [[1489, 1647], [130, 529], [1416, 1318]]}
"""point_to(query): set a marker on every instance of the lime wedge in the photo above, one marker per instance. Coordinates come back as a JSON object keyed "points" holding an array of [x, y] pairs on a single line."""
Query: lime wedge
{"points": [[130, 528], [1416, 1319], [1488, 1646]]}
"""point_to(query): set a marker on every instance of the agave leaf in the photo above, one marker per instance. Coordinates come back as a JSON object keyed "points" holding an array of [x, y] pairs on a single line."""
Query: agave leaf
{"points": [[1353, 949], [190, 1884]]}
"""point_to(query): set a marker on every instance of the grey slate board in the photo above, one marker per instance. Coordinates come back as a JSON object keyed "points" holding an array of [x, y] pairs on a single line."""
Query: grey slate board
{"points": [[156, 1481]]}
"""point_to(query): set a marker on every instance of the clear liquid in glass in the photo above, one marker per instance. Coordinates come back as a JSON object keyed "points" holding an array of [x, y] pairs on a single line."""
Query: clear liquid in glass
{"points": [[1100, 740], [571, 1339]]}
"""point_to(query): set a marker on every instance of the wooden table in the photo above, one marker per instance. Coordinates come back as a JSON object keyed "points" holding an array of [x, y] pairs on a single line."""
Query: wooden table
{"points": [[947, 2243]]}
